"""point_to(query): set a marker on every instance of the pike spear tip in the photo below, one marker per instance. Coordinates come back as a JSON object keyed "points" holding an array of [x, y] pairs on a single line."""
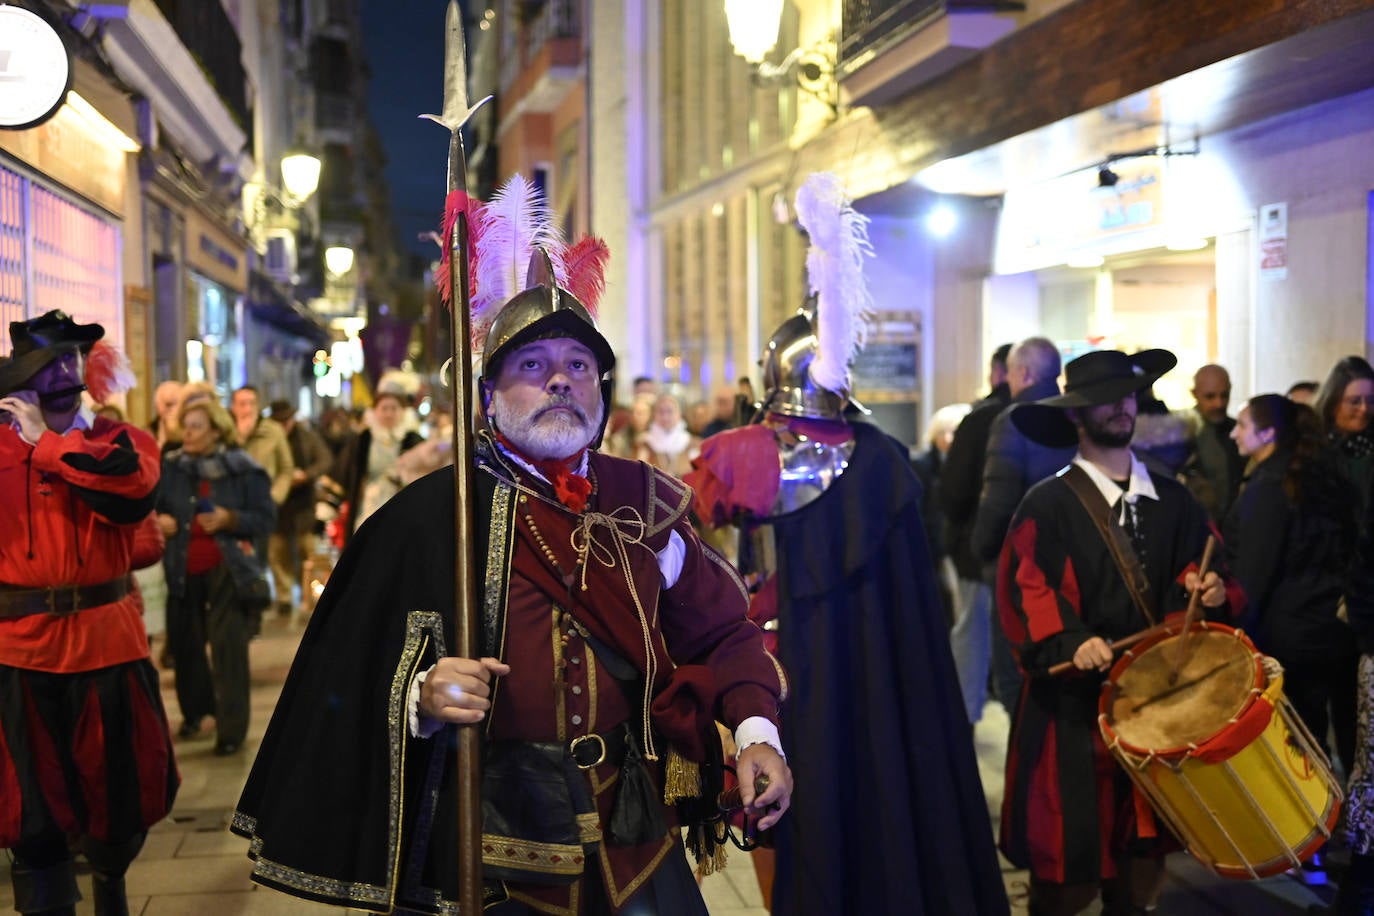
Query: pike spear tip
{"points": [[455, 124]]}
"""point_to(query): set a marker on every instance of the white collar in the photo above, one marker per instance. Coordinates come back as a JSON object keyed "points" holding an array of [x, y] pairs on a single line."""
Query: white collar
{"points": [[1140, 484], [581, 470]]}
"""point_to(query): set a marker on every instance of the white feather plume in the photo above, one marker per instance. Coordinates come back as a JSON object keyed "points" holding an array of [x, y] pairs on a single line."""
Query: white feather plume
{"points": [[834, 267], [515, 222]]}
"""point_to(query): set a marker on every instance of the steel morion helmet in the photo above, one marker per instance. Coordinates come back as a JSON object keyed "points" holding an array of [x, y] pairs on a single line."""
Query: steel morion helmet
{"points": [[806, 361]]}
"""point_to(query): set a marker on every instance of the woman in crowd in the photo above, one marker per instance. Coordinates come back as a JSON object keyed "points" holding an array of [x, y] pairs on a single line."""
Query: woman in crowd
{"points": [[1345, 403], [1290, 538], [367, 468], [214, 505], [667, 444]]}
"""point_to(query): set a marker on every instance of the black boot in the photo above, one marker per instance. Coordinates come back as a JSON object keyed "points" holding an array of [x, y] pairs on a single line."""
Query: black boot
{"points": [[50, 890], [109, 862], [107, 893]]}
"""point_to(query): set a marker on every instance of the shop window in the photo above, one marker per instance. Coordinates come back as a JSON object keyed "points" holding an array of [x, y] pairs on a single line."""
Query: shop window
{"points": [[55, 255]]}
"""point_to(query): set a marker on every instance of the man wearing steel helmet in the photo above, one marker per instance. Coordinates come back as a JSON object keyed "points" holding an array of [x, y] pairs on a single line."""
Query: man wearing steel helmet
{"points": [[84, 748], [611, 640], [831, 514]]}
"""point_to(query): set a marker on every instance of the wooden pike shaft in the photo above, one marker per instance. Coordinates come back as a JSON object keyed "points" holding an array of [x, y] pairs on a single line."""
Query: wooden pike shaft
{"points": [[466, 645]]}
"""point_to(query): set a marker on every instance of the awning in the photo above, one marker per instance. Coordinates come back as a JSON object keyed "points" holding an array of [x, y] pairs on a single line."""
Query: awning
{"points": [[268, 302]]}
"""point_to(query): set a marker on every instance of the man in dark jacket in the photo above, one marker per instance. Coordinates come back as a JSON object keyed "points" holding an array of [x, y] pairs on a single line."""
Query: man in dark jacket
{"points": [[1214, 467], [1012, 466], [960, 486]]}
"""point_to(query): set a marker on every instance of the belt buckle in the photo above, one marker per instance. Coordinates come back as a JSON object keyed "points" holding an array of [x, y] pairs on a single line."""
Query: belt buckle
{"points": [[53, 593], [576, 742]]}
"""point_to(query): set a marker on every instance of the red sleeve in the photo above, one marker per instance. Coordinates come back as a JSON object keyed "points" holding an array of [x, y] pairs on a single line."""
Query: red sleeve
{"points": [[705, 622], [737, 469], [113, 459], [149, 543]]}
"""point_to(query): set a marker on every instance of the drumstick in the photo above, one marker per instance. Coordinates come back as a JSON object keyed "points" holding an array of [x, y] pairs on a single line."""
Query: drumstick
{"points": [[1119, 645], [1189, 616]]}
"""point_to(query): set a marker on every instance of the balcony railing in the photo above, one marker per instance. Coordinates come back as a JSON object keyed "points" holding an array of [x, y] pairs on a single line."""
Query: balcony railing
{"points": [[868, 24], [334, 111], [204, 28], [558, 19]]}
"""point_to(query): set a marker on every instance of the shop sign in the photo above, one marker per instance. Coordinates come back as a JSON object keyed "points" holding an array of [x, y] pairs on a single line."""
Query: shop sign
{"points": [[1273, 241], [67, 150], [1042, 224], [215, 252]]}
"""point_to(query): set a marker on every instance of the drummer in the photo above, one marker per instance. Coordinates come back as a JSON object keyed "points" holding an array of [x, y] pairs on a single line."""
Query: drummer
{"points": [[1064, 598]]}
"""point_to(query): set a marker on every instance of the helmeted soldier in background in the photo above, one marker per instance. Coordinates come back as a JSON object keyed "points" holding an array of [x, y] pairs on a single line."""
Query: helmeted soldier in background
{"points": [[84, 748], [890, 814]]}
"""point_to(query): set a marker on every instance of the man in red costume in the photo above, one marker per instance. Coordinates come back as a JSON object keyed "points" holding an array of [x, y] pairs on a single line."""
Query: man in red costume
{"points": [[84, 748], [612, 640]]}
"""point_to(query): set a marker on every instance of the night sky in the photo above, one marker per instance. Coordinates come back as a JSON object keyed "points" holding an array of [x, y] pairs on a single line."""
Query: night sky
{"points": [[405, 52]]}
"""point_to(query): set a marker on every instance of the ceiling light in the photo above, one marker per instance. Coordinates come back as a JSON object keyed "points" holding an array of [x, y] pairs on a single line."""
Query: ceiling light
{"points": [[940, 222], [1186, 243]]}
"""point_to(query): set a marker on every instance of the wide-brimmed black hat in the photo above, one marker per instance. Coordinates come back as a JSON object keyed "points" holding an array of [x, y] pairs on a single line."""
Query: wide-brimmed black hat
{"points": [[1100, 377], [39, 341]]}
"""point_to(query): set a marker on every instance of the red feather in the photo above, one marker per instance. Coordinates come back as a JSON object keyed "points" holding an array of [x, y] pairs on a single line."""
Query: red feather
{"points": [[586, 264], [107, 372], [458, 202]]}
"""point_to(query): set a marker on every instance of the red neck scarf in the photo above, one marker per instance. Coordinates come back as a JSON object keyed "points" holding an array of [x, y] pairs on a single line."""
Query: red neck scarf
{"points": [[572, 489]]}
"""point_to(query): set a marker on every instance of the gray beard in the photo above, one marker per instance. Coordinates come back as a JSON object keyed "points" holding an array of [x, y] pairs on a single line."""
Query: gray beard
{"points": [[550, 436]]}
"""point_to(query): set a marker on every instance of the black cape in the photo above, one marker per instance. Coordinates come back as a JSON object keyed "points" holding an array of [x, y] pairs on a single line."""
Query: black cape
{"points": [[341, 805], [888, 812]]}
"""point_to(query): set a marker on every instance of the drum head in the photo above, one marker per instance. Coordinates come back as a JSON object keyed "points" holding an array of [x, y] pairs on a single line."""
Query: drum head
{"points": [[1147, 711]]}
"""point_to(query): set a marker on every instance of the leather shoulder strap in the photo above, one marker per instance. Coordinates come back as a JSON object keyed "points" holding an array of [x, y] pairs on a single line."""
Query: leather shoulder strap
{"points": [[1117, 540]]}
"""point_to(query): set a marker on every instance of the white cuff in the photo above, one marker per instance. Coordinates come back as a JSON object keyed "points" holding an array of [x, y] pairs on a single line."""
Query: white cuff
{"points": [[758, 730], [421, 726]]}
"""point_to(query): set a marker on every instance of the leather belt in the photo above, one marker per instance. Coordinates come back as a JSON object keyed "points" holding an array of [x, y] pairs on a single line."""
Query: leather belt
{"points": [[61, 600], [588, 751]]}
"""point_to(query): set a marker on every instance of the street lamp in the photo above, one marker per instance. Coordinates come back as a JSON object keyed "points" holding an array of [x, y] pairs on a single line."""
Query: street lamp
{"points": [[300, 174], [339, 259], [754, 28]]}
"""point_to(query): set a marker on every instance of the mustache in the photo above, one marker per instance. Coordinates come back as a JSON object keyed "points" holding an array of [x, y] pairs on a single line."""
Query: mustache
{"points": [[59, 394], [556, 402]]}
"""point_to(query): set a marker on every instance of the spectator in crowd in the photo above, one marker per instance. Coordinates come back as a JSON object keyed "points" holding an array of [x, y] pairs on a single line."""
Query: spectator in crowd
{"points": [[215, 508], [1213, 469], [110, 412], [961, 485], [725, 409], [698, 417], [1161, 435], [746, 402], [1345, 404], [1013, 464], [294, 537], [629, 442], [367, 470], [166, 399], [644, 386], [264, 440], [667, 444], [928, 466], [1304, 392], [1290, 538]]}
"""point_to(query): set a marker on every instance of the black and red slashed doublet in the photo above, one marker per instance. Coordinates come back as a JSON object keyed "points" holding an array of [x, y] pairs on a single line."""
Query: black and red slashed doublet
{"points": [[84, 746], [1058, 586], [344, 806]]}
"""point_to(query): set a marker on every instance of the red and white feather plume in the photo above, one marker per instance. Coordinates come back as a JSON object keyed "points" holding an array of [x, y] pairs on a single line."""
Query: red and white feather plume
{"points": [[108, 372]]}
